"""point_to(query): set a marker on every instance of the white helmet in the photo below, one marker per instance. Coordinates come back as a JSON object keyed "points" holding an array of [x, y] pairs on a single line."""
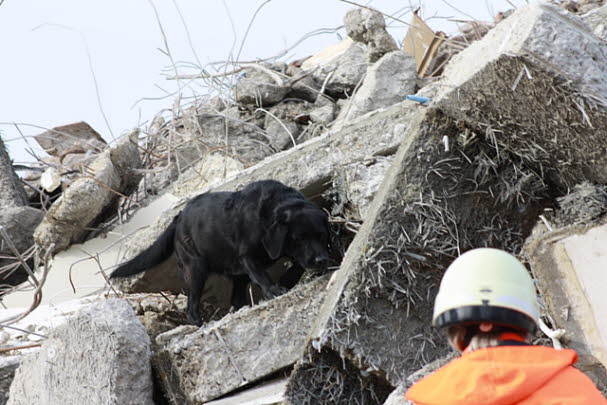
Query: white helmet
{"points": [[487, 285]]}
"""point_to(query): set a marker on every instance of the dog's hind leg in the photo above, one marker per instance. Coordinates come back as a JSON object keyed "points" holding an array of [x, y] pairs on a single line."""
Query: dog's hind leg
{"points": [[194, 273], [240, 290]]}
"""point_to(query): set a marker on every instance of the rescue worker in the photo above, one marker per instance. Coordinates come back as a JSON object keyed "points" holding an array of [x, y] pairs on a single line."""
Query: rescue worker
{"points": [[487, 305]]}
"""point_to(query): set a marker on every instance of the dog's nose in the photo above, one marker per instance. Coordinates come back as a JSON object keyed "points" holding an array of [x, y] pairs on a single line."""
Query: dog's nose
{"points": [[321, 261]]}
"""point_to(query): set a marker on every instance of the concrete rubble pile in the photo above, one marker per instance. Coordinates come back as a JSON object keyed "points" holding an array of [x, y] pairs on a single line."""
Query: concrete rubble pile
{"points": [[510, 151]]}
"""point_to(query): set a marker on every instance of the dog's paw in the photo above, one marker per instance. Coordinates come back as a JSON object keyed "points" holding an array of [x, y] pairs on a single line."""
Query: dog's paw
{"points": [[275, 291]]}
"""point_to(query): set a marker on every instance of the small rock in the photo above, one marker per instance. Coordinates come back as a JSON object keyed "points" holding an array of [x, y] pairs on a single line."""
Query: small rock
{"points": [[305, 88], [282, 134], [259, 88], [346, 64], [369, 27], [50, 179], [323, 115]]}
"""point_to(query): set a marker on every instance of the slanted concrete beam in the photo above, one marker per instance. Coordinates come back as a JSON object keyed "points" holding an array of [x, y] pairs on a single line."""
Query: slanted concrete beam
{"points": [[197, 365], [540, 73], [569, 265], [433, 205]]}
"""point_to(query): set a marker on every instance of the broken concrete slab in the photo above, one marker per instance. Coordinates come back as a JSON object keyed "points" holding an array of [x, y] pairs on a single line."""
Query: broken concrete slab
{"points": [[308, 167], [387, 82], [196, 365], [438, 199], [78, 137], [90, 195], [568, 264], [538, 72], [369, 27], [103, 350]]}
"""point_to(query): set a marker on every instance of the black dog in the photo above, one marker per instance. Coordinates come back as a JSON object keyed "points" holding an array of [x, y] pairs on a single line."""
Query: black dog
{"points": [[239, 234]]}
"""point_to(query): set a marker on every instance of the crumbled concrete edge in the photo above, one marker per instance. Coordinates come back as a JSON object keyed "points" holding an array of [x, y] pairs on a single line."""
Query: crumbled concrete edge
{"points": [[200, 364]]}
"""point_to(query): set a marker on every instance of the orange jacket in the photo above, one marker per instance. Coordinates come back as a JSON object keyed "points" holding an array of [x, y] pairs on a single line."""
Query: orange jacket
{"points": [[505, 375]]}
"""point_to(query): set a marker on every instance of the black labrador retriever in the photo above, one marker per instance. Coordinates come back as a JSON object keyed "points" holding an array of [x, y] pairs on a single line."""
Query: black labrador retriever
{"points": [[239, 234]]}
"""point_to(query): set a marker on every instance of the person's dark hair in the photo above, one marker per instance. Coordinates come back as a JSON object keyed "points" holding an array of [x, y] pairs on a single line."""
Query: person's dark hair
{"points": [[471, 337]]}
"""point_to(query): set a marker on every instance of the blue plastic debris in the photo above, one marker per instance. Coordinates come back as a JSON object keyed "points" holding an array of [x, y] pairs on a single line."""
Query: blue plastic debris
{"points": [[421, 100]]}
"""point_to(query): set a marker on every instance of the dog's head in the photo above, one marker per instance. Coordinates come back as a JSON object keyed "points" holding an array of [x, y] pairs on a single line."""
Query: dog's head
{"points": [[299, 231]]}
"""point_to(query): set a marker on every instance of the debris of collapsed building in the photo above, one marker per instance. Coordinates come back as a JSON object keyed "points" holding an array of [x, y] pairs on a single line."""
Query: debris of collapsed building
{"points": [[511, 152]]}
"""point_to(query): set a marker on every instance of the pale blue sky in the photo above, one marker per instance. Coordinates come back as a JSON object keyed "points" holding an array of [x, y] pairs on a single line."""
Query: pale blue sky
{"points": [[46, 78]]}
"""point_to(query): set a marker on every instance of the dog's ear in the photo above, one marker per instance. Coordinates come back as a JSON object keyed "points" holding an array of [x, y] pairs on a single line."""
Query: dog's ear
{"points": [[275, 235]]}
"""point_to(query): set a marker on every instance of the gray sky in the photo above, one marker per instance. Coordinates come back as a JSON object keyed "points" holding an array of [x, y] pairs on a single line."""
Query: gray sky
{"points": [[47, 76]]}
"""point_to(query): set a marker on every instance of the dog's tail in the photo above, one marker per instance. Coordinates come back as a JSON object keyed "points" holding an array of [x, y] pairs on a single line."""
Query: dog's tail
{"points": [[160, 250]]}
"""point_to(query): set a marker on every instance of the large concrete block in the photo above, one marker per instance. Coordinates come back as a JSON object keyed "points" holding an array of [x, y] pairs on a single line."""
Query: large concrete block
{"points": [[101, 356], [450, 188], [196, 365], [570, 265], [540, 74]]}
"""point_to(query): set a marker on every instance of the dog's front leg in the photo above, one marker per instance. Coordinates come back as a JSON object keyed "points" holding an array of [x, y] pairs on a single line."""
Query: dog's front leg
{"points": [[259, 276]]}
